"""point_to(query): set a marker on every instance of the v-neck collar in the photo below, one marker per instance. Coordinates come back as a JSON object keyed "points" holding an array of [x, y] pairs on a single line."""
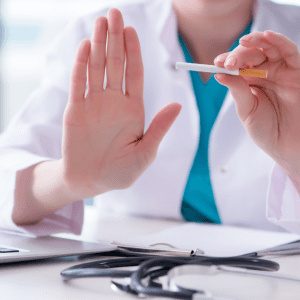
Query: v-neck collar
{"points": [[189, 58]]}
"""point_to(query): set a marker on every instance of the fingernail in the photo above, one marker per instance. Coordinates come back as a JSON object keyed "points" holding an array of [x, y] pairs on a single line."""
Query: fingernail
{"points": [[231, 61], [220, 58], [246, 38]]}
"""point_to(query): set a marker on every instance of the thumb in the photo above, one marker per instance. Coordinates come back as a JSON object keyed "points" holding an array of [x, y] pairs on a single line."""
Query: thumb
{"points": [[241, 93], [159, 126]]}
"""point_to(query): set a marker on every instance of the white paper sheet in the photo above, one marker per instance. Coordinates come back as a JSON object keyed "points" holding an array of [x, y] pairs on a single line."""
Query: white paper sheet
{"points": [[216, 240]]}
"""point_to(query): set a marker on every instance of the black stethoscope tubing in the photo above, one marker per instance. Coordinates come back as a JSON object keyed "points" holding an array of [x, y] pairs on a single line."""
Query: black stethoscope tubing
{"points": [[105, 268]]}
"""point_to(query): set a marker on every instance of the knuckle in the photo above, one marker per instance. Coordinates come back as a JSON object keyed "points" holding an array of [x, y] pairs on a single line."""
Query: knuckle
{"points": [[134, 74], [97, 66], [148, 157], [116, 60], [77, 80]]}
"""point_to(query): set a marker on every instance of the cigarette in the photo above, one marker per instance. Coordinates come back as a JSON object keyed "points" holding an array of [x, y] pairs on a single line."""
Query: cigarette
{"points": [[214, 69]]}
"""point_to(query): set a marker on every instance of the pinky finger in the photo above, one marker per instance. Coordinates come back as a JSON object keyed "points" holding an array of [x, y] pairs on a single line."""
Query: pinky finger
{"points": [[79, 74]]}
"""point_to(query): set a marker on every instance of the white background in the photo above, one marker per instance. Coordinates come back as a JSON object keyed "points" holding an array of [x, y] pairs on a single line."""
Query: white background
{"points": [[29, 27]]}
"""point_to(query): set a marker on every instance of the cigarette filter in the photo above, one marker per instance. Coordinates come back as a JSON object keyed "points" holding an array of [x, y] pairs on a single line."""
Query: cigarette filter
{"points": [[253, 73]]}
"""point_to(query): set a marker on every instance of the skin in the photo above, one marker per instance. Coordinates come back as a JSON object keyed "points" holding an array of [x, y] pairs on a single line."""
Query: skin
{"points": [[209, 28], [104, 146], [109, 124], [268, 108]]}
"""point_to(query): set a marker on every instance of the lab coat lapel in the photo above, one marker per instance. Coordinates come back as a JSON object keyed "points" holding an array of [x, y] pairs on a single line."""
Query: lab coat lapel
{"points": [[164, 26]]}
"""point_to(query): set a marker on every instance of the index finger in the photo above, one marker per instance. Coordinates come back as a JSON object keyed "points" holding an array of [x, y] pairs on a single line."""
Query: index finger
{"points": [[242, 57], [78, 75]]}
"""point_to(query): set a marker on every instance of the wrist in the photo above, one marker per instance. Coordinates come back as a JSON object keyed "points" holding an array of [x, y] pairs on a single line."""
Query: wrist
{"points": [[49, 184], [72, 185], [40, 191], [77, 185]]}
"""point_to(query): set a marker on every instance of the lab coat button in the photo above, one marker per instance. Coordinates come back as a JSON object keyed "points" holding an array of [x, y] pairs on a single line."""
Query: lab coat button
{"points": [[223, 169]]}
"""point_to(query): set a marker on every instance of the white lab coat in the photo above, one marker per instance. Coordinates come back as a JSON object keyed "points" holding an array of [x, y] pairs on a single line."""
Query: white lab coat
{"points": [[249, 188]]}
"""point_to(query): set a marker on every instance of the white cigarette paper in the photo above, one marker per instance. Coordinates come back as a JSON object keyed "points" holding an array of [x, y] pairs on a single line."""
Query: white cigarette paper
{"points": [[214, 69], [204, 68]]}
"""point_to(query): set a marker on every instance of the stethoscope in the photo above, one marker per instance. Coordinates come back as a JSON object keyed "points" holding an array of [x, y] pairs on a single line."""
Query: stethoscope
{"points": [[151, 267]]}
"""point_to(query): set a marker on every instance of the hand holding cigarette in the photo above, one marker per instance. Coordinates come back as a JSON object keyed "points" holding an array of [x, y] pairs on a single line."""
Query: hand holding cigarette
{"points": [[269, 108]]}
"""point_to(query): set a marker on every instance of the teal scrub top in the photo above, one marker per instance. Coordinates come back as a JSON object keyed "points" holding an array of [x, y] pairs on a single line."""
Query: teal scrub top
{"points": [[198, 203]]}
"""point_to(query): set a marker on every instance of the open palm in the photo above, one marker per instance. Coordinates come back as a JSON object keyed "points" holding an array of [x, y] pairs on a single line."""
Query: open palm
{"points": [[104, 145]]}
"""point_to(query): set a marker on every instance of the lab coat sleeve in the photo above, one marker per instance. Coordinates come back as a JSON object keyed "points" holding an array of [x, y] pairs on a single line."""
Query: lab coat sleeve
{"points": [[283, 203], [35, 134]]}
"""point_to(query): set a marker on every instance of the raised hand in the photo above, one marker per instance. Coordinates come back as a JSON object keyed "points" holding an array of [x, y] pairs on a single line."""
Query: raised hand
{"points": [[104, 145], [268, 108]]}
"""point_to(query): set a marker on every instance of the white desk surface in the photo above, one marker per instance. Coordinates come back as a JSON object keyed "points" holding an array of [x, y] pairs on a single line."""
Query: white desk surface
{"points": [[31, 281]]}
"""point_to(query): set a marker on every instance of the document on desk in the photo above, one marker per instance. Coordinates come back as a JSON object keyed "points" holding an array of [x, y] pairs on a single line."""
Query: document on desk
{"points": [[216, 240]]}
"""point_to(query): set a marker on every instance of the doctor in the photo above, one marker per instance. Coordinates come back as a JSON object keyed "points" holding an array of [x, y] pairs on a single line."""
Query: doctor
{"points": [[65, 145]]}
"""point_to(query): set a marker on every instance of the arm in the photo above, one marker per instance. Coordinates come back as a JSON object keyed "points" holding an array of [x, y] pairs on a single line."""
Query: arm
{"points": [[104, 146], [40, 191]]}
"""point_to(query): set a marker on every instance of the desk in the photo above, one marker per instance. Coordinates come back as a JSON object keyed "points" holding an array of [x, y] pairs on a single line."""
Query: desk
{"points": [[32, 281]]}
